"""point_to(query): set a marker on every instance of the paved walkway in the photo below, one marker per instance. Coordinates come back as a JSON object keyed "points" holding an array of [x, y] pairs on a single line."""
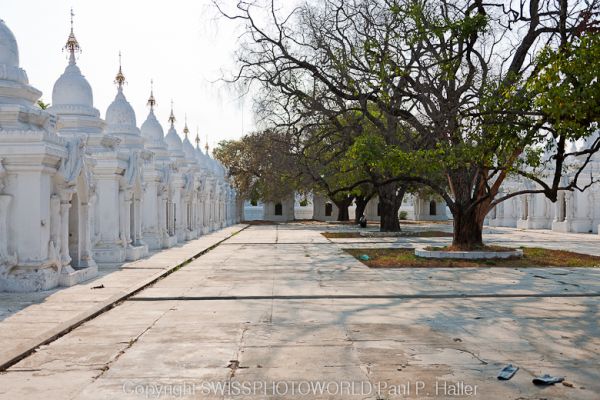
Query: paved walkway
{"points": [[281, 308], [30, 319]]}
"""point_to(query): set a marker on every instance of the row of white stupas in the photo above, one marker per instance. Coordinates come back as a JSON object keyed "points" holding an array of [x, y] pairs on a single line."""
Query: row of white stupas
{"points": [[76, 190], [574, 211]]}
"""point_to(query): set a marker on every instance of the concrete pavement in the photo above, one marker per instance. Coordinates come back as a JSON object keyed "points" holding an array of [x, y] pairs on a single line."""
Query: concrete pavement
{"points": [[28, 320], [287, 313]]}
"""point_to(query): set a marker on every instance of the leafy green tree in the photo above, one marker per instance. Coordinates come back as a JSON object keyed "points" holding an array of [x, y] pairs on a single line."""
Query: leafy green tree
{"points": [[260, 165], [265, 166]]}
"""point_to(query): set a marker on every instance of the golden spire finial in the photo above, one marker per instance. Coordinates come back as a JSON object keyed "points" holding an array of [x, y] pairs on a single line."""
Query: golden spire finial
{"points": [[197, 138], [72, 45], [151, 100], [172, 116], [185, 128], [120, 78]]}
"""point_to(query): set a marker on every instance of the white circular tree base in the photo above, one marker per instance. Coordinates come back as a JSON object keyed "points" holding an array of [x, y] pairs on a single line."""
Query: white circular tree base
{"points": [[468, 255]]}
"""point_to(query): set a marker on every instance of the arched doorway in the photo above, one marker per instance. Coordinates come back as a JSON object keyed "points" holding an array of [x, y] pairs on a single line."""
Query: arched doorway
{"points": [[328, 209], [432, 207], [132, 220], [172, 221], [170, 218], [278, 209], [74, 252]]}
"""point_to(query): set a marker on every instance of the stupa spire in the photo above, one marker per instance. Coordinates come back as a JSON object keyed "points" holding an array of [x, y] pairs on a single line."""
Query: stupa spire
{"points": [[197, 139], [120, 78], [72, 45], [151, 99], [185, 128], [172, 116]]}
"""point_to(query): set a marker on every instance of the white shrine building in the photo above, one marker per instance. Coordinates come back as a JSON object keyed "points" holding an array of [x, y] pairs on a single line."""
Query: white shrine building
{"points": [[319, 208], [574, 211], [77, 190]]}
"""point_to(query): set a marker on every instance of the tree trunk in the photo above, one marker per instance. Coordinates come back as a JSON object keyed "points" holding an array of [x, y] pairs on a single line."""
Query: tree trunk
{"points": [[361, 205], [342, 205], [468, 228], [468, 219], [390, 200], [343, 214]]}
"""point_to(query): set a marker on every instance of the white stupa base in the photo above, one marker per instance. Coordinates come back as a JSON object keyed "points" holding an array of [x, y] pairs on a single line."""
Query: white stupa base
{"points": [[109, 254], [136, 252], [70, 276]]}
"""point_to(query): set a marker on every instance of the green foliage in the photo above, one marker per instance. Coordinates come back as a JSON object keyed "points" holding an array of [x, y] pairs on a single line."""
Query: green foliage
{"points": [[567, 89], [372, 151], [260, 165]]}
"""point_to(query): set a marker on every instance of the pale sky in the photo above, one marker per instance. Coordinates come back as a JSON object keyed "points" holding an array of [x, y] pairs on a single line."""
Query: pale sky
{"points": [[179, 43]]}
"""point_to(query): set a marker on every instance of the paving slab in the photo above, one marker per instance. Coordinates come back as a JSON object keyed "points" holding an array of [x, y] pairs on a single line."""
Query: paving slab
{"points": [[283, 309], [42, 316]]}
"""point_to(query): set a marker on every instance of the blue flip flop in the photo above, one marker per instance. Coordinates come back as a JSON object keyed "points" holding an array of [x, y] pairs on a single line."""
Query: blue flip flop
{"points": [[507, 372]]}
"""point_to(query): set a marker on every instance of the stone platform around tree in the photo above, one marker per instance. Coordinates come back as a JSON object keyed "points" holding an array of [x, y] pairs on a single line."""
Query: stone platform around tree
{"points": [[468, 255]]}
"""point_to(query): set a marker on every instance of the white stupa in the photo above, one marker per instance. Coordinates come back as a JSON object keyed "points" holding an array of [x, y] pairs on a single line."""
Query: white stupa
{"points": [[120, 117], [31, 156], [188, 148], [153, 133], [72, 97], [14, 84], [174, 144], [203, 159]]}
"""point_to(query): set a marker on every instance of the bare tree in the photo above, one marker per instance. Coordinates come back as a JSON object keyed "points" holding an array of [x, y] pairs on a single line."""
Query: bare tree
{"points": [[453, 89]]}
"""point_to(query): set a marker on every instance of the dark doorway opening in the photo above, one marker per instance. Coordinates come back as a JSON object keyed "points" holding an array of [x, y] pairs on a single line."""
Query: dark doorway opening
{"points": [[432, 207]]}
